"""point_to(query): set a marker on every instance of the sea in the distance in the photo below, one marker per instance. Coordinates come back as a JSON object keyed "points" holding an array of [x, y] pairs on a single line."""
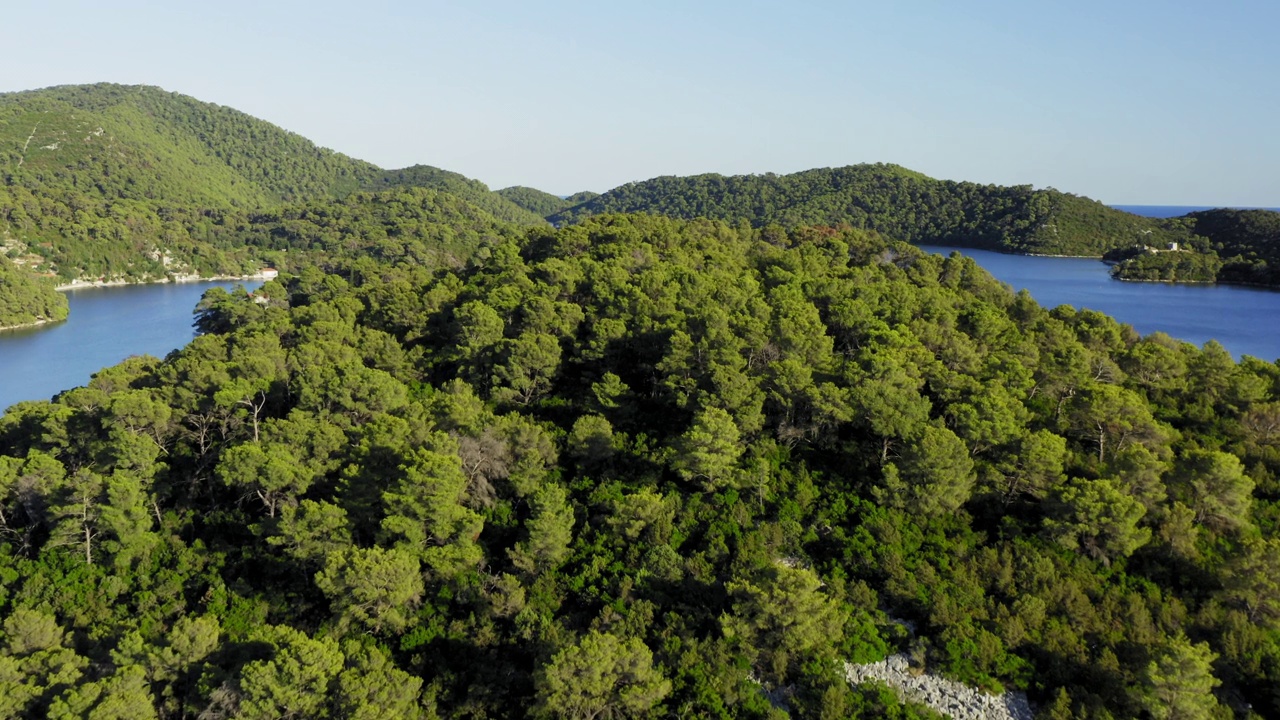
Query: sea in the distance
{"points": [[1172, 211], [1242, 319], [106, 326]]}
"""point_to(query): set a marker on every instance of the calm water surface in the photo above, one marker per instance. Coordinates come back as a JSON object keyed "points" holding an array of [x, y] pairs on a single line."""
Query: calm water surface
{"points": [[106, 326], [1245, 320]]}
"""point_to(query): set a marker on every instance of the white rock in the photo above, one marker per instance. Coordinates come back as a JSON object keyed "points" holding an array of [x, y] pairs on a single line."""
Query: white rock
{"points": [[956, 700]]}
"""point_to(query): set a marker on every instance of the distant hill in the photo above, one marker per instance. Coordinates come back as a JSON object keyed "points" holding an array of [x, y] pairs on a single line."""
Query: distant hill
{"points": [[133, 182], [541, 203], [473, 191], [580, 197], [1223, 245], [892, 200], [100, 180], [143, 143], [544, 204], [1247, 241]]}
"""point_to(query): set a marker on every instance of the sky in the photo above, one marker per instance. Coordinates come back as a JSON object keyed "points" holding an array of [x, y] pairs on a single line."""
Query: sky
{"points": [[1170, 102]]}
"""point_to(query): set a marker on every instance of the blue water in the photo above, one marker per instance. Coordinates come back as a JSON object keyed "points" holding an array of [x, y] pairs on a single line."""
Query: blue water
{"points": [[1242, 319], [1169, 211], [106, 326]]}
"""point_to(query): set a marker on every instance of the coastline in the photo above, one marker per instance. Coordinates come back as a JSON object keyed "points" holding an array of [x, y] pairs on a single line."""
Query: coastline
{"points": [[1068, 257], [1217, 283], [22, 326], [1005, 251], [79, 284], [1170, 282]]}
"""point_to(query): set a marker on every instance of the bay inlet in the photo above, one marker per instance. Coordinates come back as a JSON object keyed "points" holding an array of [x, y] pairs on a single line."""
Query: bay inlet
{"points": [[106, 326], [1243, 319]]}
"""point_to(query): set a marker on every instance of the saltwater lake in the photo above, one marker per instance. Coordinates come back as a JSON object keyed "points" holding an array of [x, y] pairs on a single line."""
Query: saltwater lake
{"points": [[106, 326], [1245, 320]]}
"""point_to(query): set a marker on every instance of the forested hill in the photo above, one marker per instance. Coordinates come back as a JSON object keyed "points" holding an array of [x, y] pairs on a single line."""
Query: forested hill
{"points": [[641, 467], [96, 177], [477, 193], [1223, 245], [892, 200], [536, 201], [544, 204], [1247, 241], [142, 143]]}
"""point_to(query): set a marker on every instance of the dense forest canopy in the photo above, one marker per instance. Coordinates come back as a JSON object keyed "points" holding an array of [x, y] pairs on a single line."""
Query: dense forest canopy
{"points": [[1224, 245], [499, 204], [419, 226], [26, 300], [644, 467], [1247, 241]]}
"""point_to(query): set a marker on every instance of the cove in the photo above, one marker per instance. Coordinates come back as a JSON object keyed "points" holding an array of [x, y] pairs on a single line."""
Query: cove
{"points": [[1245, 320], [106, 326]]}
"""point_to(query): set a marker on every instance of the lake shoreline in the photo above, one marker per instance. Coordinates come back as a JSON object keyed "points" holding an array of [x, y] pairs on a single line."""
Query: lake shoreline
{"points": [[79, 284], [1009, 251], [1173, 282], [1208, 283], [23, 326], [1067, 257]]}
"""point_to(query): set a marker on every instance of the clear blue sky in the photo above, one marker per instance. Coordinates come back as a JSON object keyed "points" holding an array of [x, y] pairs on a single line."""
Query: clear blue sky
{"points": [[1128, 101]]}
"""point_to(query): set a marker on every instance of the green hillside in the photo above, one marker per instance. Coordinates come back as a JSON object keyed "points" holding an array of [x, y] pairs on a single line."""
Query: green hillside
{"points": [[473, 191], [1247, 241], [892, 200], [580, 197], [117, 181], [139, 142], [542, 204], [1222, 245], [413, 226]]}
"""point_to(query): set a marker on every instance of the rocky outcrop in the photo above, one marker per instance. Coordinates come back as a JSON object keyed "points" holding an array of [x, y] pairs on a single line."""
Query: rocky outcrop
{"points": [[953, 699]]}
